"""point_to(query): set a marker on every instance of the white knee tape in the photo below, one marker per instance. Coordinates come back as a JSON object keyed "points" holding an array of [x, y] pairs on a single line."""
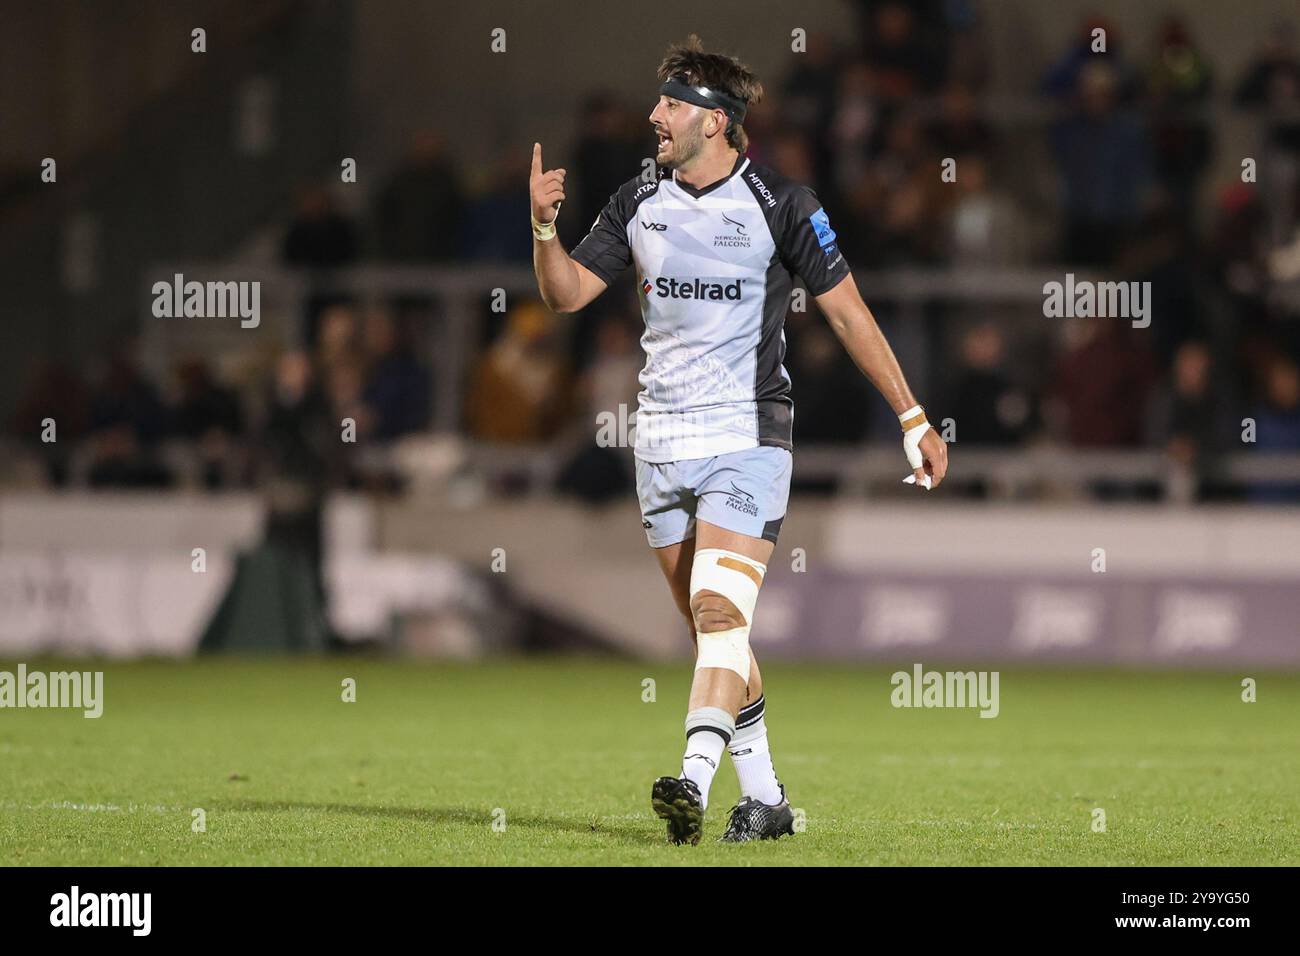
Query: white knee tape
{"points": [[737, 578], [726, 649], [732, 575]]}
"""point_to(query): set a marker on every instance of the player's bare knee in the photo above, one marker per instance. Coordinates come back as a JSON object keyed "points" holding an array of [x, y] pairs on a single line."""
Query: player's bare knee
{"points": [[713, 612]]}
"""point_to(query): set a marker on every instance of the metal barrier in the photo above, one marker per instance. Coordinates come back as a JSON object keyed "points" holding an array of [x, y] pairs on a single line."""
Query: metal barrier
{"points": [[458, 296]]}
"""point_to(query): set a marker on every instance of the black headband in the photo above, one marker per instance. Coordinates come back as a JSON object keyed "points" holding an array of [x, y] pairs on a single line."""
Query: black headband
{"points": [[706, 96]]}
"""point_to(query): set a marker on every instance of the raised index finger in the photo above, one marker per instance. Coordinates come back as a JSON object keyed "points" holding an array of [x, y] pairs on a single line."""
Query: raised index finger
{"points": [[537, 160]]}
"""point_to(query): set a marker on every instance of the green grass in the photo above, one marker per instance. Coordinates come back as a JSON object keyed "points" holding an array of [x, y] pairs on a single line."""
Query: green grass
{"points": [[411, 773]]}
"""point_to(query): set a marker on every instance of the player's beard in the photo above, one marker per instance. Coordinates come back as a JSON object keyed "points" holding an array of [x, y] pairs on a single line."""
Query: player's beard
{"points": [[685, 147]]}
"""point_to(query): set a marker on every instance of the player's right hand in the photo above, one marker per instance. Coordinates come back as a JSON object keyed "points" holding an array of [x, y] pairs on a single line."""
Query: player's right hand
{"points": [[546, 190], [934, 459], [927, 453]]}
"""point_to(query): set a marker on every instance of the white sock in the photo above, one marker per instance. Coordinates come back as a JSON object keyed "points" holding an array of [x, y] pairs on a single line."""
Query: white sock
{"points": [[707, 731], [751, 756]]}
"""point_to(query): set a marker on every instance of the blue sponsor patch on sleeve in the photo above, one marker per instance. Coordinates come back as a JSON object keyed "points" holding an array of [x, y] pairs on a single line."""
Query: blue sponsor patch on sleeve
{"points": [[822, 226]]}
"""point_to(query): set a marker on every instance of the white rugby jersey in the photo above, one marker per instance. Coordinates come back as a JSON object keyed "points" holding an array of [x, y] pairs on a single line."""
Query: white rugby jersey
{"points": [[714, 269]]}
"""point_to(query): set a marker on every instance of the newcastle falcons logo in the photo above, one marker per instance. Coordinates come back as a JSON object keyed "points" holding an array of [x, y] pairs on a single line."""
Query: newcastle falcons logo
{"points": [[740, 226], [738, 240]]}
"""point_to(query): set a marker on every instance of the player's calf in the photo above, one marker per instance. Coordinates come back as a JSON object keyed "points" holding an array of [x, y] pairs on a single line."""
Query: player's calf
{"points": [[724, 590]]}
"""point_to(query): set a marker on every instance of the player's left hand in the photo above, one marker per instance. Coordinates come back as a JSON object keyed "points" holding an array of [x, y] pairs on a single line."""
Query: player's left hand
{"points": [[934, 461]]}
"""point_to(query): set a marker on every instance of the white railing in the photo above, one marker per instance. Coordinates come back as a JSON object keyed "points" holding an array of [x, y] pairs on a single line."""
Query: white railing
{"points": [[457, 294]]}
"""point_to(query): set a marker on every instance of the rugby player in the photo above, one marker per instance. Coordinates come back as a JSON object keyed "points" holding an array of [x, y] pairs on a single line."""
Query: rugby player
{"points": [[717, 241]]}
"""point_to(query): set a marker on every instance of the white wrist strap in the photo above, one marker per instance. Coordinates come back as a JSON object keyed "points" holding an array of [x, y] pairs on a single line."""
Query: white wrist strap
{"points": [[914, 417], [545, 230]]}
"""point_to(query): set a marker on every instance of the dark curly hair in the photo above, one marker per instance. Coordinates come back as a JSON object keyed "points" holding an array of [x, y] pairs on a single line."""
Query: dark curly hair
{"points": [[717, 70]]}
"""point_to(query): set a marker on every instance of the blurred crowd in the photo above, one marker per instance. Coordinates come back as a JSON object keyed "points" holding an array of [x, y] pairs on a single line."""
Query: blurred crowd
{"points": [[294, 417], [1104, 168]]}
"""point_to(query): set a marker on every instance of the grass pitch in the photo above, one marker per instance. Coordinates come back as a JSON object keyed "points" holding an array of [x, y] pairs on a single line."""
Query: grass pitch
{"points": [[563, 752]]}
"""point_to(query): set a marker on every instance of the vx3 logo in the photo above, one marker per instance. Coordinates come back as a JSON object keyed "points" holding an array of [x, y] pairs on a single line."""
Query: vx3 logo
{"points": [[655, 226]]}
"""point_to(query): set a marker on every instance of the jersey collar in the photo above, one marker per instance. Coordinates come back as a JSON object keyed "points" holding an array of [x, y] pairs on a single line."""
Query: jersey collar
{"points": [[741, 162]]}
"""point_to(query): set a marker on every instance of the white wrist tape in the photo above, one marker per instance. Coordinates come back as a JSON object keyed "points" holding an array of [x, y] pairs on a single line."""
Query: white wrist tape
{"points": [[914, 426], [545, 230]]}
